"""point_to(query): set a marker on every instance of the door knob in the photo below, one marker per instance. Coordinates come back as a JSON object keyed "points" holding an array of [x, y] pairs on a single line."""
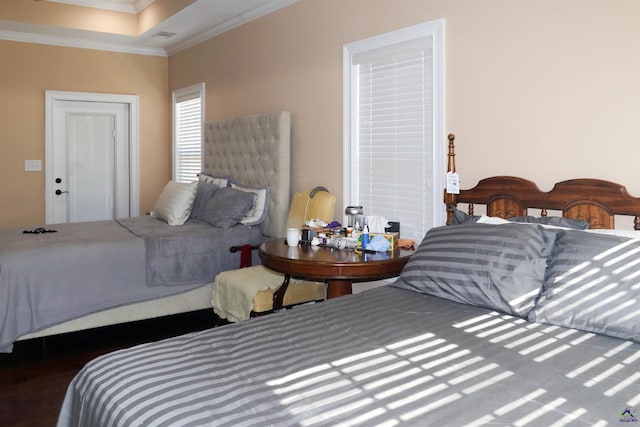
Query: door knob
{"points": [[59, 192], [58, 180]]}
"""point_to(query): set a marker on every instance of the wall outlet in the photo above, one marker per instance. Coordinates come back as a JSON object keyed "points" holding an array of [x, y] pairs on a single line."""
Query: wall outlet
{"points": [[33, 165]]}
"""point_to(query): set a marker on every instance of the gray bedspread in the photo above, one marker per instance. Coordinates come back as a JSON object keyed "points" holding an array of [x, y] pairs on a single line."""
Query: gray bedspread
{"points": [[384, 357], [46, 279]]}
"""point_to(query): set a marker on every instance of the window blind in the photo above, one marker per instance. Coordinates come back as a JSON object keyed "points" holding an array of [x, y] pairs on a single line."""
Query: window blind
{"points": [[188, 137], [395, 129]]}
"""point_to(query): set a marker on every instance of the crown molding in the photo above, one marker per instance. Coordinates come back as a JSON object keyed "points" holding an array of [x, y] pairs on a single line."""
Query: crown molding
{"points": [[133, 6], [80, 43]]}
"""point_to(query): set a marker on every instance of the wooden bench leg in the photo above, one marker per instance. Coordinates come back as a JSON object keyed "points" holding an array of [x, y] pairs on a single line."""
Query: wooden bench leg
{"points": [[278, 296]]}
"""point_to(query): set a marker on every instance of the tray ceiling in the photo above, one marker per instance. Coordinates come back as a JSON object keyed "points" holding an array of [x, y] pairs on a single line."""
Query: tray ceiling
{"points": [[198, 21]]}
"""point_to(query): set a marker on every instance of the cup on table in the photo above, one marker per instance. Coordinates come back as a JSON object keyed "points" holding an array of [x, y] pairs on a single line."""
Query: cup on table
{"points": [[293, 236]]}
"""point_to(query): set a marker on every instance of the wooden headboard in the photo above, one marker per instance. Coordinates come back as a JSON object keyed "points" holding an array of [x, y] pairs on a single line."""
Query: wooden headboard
{"points": [[592, 200], [256, 150]]}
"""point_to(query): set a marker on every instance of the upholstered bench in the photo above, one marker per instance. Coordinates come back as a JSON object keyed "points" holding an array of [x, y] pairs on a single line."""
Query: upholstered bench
{"points": [[255, 290], [249, 292]]}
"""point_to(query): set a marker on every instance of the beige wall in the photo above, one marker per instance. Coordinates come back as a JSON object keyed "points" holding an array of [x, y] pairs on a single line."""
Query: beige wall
{"points": [[158, 11], [27, 70], [545, 89]]}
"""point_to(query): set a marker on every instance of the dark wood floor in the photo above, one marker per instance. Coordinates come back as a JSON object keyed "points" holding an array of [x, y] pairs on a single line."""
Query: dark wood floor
{"points": [[34, 378]]}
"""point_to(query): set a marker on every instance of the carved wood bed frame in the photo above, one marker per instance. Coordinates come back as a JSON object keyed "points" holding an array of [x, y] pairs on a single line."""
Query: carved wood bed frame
{"points": [[593, 200]]}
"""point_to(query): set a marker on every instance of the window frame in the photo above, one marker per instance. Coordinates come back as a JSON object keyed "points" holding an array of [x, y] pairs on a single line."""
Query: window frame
{"points": [[436, 30], [197, 91]]}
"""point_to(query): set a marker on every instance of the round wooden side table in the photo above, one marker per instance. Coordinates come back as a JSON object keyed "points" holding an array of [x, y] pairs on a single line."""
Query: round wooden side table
{"points": [[338, 268]]}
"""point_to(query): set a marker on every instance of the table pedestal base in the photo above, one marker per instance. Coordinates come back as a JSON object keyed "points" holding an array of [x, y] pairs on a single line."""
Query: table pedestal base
{"points": [[338, 288]]}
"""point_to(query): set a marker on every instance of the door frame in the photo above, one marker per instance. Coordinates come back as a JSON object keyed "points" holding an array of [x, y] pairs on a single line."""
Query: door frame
{"points": [[51, 97]]}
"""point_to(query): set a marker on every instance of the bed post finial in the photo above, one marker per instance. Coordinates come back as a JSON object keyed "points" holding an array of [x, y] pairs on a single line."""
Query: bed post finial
{"points": [[450, 199], [451, 156]]}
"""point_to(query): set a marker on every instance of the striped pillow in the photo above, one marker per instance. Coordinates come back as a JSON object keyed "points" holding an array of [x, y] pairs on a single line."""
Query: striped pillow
{"points": [[220, 181], [593, 284], [260, 208], [495, 266]]}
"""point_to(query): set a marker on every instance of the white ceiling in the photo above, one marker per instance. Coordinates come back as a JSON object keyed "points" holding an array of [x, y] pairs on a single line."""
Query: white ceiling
{"points": [[197, 22]]}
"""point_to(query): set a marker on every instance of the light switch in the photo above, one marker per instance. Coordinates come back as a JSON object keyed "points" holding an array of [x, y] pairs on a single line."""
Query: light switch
{"points": [[33, 165]]}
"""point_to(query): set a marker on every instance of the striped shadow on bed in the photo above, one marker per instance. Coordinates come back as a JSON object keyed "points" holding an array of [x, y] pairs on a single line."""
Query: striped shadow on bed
{"points": [[420, 360]]}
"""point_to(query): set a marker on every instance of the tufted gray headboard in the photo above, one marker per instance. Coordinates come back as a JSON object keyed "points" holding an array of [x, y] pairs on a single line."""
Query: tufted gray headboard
{"points": [[254, 149]]}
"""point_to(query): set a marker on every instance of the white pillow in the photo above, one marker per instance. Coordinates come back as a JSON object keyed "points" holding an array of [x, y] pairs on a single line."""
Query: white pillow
{"points": [[493, 220], [175, 202], [632, 234]]}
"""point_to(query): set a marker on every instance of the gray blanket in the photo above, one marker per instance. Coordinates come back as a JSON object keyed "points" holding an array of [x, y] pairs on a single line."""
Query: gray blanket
{"points": [[186, 254], [46, 279]]}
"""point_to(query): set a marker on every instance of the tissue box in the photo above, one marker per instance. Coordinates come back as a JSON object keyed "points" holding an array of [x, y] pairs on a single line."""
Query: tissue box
{"points": [[391, 237]]}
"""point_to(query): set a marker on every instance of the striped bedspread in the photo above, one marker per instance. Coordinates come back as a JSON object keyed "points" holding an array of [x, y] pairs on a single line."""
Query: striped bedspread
{"points": [[384, 357]]}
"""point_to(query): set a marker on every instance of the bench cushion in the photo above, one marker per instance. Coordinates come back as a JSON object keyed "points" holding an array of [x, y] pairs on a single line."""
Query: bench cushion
{"points": [[238, 292]]}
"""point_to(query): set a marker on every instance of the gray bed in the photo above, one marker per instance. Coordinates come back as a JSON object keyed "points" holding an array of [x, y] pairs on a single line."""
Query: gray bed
{"points": [[384, 357], [491, 322], [93, 274]]}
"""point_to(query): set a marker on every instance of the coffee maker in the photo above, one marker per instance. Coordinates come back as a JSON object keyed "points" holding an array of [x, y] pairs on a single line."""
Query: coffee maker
{"points": [[355, 217]]}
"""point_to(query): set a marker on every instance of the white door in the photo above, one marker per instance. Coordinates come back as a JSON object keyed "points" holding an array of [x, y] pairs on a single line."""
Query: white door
{"points": [[90, 161]]}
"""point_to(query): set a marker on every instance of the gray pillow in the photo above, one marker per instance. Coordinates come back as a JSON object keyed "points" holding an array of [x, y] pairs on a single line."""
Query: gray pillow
{"points": [[461, 217], [226, 207], [495, 266], [557, 221], [203, 193], [593, 284]]}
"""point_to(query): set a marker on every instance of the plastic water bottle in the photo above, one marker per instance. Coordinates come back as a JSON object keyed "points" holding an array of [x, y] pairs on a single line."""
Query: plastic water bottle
{"points": [[365, 236]]}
